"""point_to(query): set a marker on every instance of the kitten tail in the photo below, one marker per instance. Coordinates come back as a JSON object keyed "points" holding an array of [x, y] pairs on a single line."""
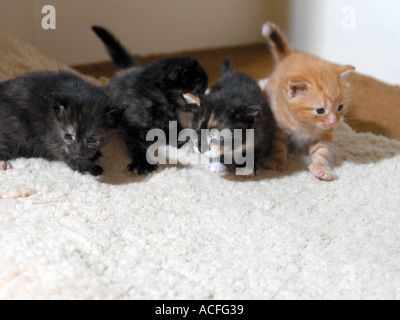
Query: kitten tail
{"points": [[227, 66], [120, 56], [279, 45]]}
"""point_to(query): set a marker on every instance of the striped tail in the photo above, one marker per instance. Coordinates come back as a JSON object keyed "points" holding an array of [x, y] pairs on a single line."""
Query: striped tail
{"points": [[279, 44], [120, 56]]}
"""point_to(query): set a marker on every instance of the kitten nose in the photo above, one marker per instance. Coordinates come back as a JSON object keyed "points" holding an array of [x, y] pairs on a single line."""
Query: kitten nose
{"points": [[77, 150], [332, 122]]}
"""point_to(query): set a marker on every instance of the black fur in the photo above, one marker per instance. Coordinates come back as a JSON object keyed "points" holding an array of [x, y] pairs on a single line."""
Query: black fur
{"points": [[154, 94], [56, 116], [121, 57], [236, 102], [277, 40]]}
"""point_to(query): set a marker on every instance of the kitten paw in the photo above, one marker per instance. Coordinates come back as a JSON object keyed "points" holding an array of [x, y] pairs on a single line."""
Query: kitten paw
{"points": [[322, 173], [3, 165], [142, 169], [94, 171], [96, 157], [216, 167], [276, 165], [97, 171]]}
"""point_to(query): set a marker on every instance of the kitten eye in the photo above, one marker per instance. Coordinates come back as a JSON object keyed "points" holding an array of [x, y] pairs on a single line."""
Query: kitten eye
{"points": [[320, 111], [68, 138], [341, 107], [91, 140]]}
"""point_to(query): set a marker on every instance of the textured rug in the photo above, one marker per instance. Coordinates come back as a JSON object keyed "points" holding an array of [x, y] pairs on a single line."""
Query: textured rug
{"points": [[185, 233]]}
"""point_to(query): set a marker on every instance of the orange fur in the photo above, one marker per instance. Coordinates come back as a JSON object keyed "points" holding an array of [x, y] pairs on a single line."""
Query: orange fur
{"points": [[300, 85]]}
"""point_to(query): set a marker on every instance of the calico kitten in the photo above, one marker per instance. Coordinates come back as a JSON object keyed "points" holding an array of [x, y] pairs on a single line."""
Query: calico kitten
{"points": [[153, 93], [235, 102], [56, 116], [308, 97]]}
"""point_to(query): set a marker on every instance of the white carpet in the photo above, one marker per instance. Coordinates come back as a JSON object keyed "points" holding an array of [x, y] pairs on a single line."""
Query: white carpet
{"points": [[185, 233]]}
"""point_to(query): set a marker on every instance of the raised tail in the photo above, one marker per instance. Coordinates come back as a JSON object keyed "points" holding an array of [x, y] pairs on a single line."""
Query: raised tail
{"points": [[120, 56], [227, 66], [279, 44]]}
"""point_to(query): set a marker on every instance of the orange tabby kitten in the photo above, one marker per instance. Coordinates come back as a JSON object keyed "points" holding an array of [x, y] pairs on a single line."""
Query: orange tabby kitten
{"points": [[308, 97]]}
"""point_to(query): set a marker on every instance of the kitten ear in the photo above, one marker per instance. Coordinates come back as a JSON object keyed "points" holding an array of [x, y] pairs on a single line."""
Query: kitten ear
{"points": [[189, 71], [59, 106], [248, 114], [182, 72], [252, 112], [344, 71], [191, 99], [59, 109], [296, 89]]}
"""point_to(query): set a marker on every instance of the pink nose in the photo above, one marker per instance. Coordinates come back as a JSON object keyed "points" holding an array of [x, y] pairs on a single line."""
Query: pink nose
{"points": [[331, 122]]}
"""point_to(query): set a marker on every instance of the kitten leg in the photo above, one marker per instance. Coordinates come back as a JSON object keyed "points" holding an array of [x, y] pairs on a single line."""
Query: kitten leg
{"points": [[319, 166], [139, 162], [85, 166], [137, 149], [278, 159]]}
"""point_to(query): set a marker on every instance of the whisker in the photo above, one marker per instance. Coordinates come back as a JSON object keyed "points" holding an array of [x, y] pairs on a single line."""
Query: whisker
{"points": [[353, 118]]}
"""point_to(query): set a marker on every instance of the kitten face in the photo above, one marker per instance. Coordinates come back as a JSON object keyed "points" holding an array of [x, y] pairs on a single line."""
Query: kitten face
{"points": [[215, 124], [316, 110], [81, 145], [320, 104], [85, 130]]}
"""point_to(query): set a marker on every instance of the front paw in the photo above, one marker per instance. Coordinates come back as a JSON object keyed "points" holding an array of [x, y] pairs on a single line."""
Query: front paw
{"points": [[216, 167], [250, 175], [142, 169], [3, 165], [322, 172], [246, 173], [96, 157], [94, 171]]}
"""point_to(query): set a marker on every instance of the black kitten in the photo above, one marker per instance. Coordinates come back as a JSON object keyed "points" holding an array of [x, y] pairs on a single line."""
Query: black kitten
{"points": [[56, 116], [236, 102], [154, 95]]}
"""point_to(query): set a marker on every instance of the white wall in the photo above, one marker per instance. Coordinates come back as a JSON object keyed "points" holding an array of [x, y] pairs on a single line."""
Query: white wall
{"points": [[145, 26], [162, 26], [365, 33]]}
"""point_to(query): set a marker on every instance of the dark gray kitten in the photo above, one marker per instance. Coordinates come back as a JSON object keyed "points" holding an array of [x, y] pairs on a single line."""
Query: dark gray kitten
{"points": [[236, 102], [56, 116], [154, 95]]}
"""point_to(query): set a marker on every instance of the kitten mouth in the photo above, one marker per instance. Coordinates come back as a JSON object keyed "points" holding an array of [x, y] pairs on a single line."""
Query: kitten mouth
{"points": [[327, 127]]}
